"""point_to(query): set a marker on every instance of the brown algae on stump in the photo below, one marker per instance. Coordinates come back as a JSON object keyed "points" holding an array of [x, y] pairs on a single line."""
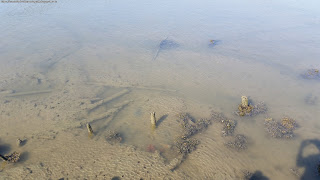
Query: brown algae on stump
{"points": [[244, 108], [247, 109], [282, 129], [244, 101]]}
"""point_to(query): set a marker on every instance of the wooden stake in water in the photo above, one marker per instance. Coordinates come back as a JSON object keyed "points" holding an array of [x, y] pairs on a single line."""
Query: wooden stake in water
{"points": [[244, 101], [153, 119], [90, 131]]}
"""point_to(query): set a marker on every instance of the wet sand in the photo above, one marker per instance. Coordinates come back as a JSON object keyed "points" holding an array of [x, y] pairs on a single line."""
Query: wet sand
{"points": [[50, 110]]}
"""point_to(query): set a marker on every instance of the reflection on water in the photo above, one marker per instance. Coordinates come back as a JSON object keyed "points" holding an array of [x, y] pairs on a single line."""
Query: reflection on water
{"points": [[112, 63]]}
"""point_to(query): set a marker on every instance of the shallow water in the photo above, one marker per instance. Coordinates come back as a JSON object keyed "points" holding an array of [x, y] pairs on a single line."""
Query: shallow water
{"points": [[58, 60]]}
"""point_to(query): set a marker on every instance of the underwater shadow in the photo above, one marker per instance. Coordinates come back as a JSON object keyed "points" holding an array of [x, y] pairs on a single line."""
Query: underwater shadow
{"points": [[162, 118], [258, 175], [24, 156], [5, 149], [165, 45], [23, 142], [311, 163]]}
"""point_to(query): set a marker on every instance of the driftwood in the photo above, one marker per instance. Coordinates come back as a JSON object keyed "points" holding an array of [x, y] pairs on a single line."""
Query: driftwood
{"points": [[110, 113], [93, 106], [28, 93], [137, 87]]}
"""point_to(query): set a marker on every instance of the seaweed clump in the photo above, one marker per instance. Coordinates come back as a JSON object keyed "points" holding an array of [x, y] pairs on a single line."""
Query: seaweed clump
{"points": [[11, 158], [191, 126], [283, 129], [247, 109], [259, 108], [184, 143], [229, 125], [14, 157], [289, 123], [240, 143], [311, 74], [113, 137]]}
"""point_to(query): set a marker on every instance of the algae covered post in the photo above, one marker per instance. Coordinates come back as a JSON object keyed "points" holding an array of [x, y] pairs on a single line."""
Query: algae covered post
{"points": [[244, 101], [244, 107], [249, 109]]}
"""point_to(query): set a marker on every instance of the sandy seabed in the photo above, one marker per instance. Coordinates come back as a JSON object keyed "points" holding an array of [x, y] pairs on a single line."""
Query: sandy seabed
{"points": [[48, 109]]}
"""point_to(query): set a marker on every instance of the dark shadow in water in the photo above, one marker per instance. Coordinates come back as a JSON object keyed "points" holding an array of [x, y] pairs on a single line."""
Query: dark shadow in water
{"points": [[116, 178], [24, 156], [23, 142], [165, 44], [311, 162], [258, 176], [5, 149], [162, 118]]}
